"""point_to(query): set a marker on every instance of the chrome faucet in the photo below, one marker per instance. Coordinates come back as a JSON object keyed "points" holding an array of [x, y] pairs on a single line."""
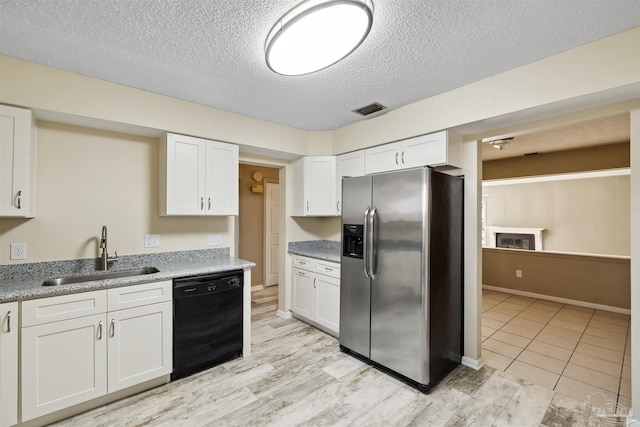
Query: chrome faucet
{"points": [[104, 258]]}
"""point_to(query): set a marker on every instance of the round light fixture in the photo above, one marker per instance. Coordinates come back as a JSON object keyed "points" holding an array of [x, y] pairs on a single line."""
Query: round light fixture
{"points": [[316, 34]]}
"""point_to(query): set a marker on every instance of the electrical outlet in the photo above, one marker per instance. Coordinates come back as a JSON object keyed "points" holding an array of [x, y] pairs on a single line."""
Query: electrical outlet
{"points": [[151, 240], [519, 274], [214, 240], [18, 251]]}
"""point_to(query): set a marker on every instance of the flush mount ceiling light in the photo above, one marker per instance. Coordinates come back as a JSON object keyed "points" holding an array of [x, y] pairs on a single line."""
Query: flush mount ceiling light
{"points": [[499, 144], [316, 34]]}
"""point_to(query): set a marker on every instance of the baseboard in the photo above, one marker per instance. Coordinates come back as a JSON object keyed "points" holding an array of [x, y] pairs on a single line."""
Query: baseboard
{"points": [[558, 299], [472, 363], [283, 314], [257, 288]]}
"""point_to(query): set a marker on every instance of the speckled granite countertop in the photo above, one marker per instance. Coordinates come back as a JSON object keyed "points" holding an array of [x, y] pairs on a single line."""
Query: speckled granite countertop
{"points": [[24, 281], [327, 250]]}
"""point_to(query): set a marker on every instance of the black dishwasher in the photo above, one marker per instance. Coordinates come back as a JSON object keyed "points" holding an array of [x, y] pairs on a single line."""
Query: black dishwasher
{"points": [[207, 321]]}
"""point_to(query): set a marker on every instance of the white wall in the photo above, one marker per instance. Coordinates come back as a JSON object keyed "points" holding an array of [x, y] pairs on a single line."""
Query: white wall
{"points": [[579, 215]]}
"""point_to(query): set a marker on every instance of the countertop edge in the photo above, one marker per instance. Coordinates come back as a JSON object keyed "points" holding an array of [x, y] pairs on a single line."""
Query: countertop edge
{"points": [[32, 288]]}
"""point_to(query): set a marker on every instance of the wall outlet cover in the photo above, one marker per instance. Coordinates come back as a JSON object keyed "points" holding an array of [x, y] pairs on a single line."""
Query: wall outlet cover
{"points": [[151, 240], [519, 274], [214, 240], [18, 251]]}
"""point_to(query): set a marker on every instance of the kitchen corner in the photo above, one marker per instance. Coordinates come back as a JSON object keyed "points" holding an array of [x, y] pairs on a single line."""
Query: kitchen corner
{"points": [[315, 277]]}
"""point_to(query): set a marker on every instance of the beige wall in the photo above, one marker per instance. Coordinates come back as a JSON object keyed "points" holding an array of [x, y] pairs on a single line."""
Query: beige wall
{"points": [[610, 156], [88, 178], [596, 280], [252, 218], [589, 215]]}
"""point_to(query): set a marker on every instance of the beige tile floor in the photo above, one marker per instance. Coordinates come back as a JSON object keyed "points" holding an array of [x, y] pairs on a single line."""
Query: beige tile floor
{"points": [[573, 350]]}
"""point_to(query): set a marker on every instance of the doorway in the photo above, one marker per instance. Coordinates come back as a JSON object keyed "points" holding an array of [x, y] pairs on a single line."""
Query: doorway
{"points": [[259, 222]]}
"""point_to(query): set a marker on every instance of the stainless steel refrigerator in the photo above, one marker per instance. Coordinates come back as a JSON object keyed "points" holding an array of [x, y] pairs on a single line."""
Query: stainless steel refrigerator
{"points": [[401, 273]]}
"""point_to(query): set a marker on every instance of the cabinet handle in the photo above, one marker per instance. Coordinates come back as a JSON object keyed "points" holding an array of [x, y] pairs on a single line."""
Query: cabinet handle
{"points": [[338, 205], [396, 157], [201, 203], [300, 273], [19, 197], [112, 328], [100, 330], [402, 157], [307, 206], [302, 263], [314, 283], [9, 321], [209, 202], [328, 269]]}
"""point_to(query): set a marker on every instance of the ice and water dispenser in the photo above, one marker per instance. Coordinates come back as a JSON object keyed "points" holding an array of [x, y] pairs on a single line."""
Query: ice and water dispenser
{"points": [[352, 240]]}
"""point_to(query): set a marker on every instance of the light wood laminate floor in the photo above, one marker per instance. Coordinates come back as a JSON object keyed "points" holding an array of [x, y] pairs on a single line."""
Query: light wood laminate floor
{"points": [[298, 376]]}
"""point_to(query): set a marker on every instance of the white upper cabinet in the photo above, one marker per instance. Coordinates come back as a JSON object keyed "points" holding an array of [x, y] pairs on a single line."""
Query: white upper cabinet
{"points": [[198, 177], [349, 164], [314, 186], [437, 149], [17, 162]]}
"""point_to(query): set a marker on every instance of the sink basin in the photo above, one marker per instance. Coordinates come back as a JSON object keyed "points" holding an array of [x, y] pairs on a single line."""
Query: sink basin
{"points": [[100, 276]]}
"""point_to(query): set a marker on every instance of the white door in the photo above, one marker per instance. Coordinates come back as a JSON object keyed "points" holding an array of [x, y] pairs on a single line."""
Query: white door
{"points": [[272, 233], [139, 344], [8, 364], [63, 363], [303, 292], [14, 160], [328, 302], [221, 179], [185, 175]]}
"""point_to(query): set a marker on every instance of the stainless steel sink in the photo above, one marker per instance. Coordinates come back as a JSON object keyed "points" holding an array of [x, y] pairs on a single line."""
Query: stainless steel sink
{"points": [[100, 276]]}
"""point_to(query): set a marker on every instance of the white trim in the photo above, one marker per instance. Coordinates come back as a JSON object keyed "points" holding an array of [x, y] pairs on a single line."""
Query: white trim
{"points": [[557, 177], [558, 299], [283, 314], [257, 288], [472, 363]]}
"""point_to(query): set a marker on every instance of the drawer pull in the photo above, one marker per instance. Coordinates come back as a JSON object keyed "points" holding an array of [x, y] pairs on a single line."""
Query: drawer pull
{"points": [[302, 263], [300, 273], [328, 269]]}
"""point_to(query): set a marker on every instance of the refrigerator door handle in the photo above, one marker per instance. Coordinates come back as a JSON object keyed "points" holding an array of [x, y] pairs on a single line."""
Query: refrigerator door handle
{"points": [[372, 243], [365, 243]]}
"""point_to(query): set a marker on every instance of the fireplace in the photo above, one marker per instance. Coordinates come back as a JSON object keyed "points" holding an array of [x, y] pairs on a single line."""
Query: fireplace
{"points": [[523, 238]]}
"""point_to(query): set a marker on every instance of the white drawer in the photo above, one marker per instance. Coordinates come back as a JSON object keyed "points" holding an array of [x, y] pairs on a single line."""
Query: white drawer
{"points": [[64, 307], [138, 295], [304, 262], [328, 268]]}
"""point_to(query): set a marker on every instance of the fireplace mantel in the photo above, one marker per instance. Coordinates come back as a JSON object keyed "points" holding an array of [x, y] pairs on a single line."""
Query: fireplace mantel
{"points": [[493, 230]]}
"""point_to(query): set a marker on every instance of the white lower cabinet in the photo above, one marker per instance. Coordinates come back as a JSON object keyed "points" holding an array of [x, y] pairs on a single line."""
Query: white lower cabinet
{"points": [[316, 293], [76, 348], [8, 364], [63, 364]]}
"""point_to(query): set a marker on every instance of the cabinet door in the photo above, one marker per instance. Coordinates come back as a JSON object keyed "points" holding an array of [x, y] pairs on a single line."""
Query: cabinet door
{"points": [[319, 185], [382, 158], [424, 150], [221, 179], [16, 164], [303, 293], [8, 364], [139, 344], [350, 164], [63, 363], [185, 175], [327, 306]]}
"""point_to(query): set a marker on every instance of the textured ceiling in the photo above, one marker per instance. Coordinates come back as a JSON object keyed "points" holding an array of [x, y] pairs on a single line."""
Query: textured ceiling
{"points": [[609, 130], [212, 51]]}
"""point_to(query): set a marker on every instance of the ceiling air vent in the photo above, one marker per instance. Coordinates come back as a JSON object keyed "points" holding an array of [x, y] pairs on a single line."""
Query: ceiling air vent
{"points": [[369, 109]]}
